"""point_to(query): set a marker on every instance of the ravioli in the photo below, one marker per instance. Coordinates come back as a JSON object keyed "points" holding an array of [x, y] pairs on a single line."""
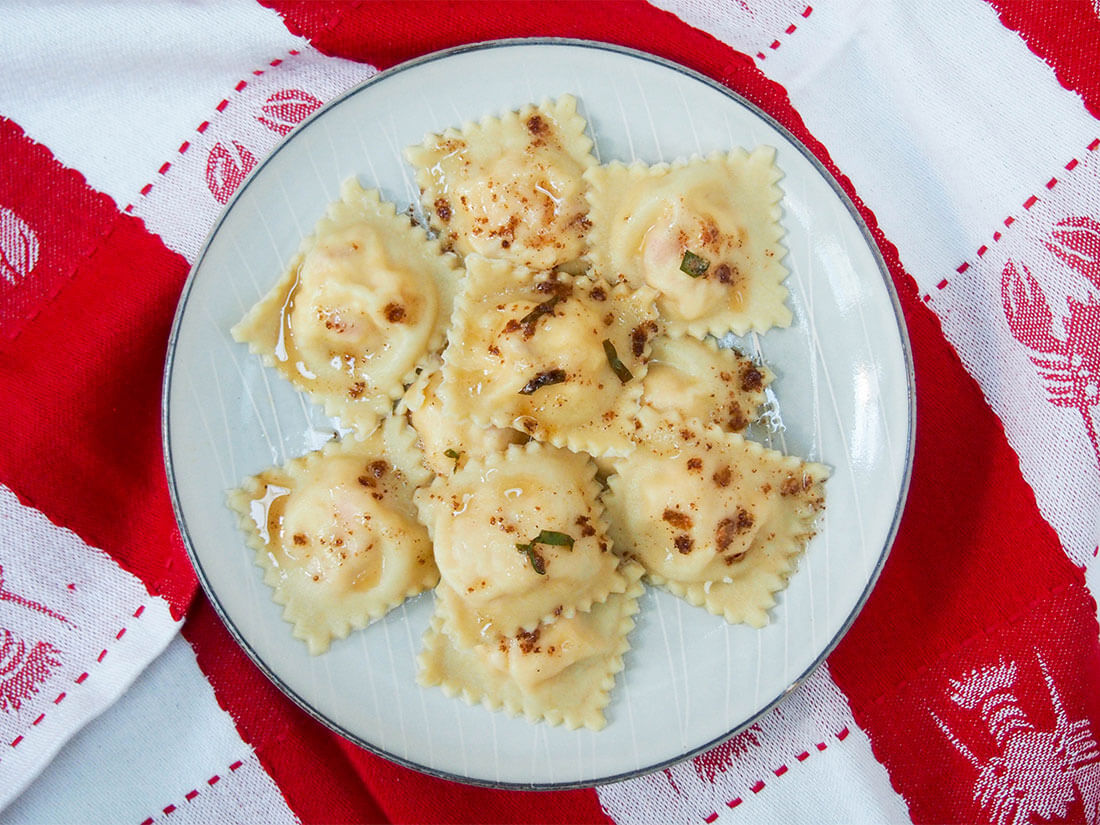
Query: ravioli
{"points": [[519, 539], [337, 534], [447, 442], [712, 516], [705, 233], [561, 358], [698, 380], [365, 300], [561, 673], [510, 188]]}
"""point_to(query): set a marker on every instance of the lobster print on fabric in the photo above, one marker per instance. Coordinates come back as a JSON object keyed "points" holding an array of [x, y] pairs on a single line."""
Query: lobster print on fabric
{"points": [[24, 668], [1068, 364], [1032, 770]]}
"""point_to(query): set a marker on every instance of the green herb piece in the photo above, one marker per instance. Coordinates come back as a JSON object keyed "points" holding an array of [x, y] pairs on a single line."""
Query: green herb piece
{"points": [[543, 379], [693, 265], [552, 537], [617, 366], [533, 556], [538, 563], [455, 454]]}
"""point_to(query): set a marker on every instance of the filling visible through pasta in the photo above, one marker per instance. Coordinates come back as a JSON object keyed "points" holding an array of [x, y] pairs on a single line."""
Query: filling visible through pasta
{"points": [[519, 539], [557, 357], [511, 188]]}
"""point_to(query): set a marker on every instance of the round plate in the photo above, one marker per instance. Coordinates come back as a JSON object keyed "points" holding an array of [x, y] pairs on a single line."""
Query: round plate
{"points": [[844, 388]]}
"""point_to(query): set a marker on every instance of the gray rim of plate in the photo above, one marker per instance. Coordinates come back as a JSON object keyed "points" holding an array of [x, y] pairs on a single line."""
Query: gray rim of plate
{"points": [[736, 98]]}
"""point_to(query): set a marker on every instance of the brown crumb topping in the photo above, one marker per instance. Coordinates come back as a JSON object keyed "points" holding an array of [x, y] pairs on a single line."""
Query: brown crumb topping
{"points": [[528, 640], [537, 126], [729, 528], [752, 380], [395, 313]]}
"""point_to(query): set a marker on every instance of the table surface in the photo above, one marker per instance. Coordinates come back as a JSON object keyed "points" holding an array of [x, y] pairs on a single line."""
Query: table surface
{"points": [[966, 136]]}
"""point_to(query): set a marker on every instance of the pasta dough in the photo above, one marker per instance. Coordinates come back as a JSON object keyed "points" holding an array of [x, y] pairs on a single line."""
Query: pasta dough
{"points": [[535, 354], [713, 515], [510, 188], [337, 535], [716, 217], [562, 673], [447, 442], [697, 380], [554, 322], [499, 529], [365, 300]]}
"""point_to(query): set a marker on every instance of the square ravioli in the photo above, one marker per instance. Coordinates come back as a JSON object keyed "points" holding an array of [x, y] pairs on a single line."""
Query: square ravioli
{"points": [[337, 534], [704, 233], [366, 298], [558, 357], [713, 517], [512, 187], [562, 673], [447, 442], [698, 380], [519, 539]]}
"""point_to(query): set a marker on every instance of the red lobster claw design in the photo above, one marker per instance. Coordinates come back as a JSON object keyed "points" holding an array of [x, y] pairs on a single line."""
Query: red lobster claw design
{"points": [[1076, 241], [1069, 368], [1029, 317]]}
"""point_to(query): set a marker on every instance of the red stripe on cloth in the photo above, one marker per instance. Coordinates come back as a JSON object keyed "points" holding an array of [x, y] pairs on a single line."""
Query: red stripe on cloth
{"points": [[973, 553], [408, 796], [1011, 715], [1066, 35], [317, 781], [385, 34], [38, 253], [355, 785], [81, 358]]}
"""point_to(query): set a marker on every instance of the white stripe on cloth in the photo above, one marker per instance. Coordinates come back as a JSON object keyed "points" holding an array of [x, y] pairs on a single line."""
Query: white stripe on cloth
{"points": [[165, 752], [181, 202], [806, 748], [113, 93], [93, 89], [75, 631], [951, 130]]}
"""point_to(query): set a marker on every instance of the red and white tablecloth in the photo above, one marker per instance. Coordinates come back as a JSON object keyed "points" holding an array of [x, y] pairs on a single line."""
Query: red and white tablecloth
{"points": [[967, 134]]}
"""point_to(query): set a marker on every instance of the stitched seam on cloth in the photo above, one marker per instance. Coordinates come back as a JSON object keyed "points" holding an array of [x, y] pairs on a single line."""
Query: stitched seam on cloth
{"points": [[1010, 220], [79, 680], [984, 633], [194, 792], [239, 87], [776, 42], [783, 768]]}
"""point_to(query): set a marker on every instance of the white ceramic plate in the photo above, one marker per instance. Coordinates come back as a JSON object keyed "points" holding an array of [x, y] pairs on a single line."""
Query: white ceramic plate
{"points": [[844, 389]]}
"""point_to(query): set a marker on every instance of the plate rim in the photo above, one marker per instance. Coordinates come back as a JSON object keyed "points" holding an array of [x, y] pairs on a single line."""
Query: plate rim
{"points": [[899, 321]]}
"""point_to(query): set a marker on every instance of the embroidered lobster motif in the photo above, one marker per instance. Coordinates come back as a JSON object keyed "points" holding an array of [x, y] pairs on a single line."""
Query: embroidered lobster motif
{"points": [[1069, 367], [1036, 773], [22, 673]]}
